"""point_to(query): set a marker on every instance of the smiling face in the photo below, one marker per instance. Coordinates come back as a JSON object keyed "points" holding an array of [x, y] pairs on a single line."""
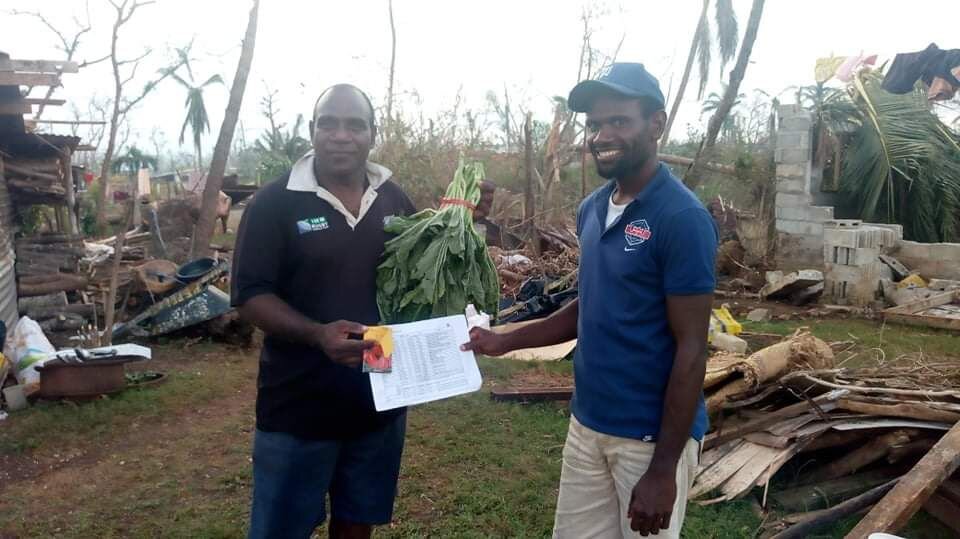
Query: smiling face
{"points": [[342, 132], [622, 135]]}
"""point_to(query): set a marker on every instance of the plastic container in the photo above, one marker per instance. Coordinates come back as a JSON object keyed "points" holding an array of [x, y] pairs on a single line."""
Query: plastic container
{"points": [[15, 398], [193, 270]]}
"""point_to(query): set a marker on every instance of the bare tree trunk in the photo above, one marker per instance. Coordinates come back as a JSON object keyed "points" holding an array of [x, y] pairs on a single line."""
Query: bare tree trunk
{"points": [[393, 60], [114, 120], [218, 165], [694, 45], [693, 177]]}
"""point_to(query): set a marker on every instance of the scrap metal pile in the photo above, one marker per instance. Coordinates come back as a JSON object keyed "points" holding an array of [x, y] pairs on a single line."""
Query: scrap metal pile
{"points": [[821, 442]]}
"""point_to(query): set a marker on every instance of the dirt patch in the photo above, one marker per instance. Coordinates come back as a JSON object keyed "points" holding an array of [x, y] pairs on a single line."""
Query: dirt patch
{"points": [[540, 378], [84, 452]]}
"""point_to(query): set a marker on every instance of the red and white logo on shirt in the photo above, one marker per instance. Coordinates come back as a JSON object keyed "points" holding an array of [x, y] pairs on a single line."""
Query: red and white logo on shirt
{"points": [[637, 232]]}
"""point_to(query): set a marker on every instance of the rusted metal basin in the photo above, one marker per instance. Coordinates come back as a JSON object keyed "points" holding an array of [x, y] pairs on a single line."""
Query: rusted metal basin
{"points": [[60, 380]]}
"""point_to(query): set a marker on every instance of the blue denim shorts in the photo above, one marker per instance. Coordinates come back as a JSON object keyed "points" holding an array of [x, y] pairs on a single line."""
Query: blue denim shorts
{"points": [[292, 476]]}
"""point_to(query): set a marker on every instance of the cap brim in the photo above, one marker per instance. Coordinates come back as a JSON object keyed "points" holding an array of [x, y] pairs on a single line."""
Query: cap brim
{"points": [[584, 93]]}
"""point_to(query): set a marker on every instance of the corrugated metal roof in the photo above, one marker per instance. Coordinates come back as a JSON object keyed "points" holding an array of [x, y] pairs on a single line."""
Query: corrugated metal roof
{"points": [[35, 144]]}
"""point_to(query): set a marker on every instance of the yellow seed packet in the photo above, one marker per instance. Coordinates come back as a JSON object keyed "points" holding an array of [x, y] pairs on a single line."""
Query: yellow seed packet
{"points": [[380, 357]]}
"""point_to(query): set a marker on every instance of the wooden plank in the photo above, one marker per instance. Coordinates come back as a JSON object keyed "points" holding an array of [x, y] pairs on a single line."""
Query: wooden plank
{"points": [[944, 510], [814, 520], [905, 409], [924, 321], [27, 171], [746, 477], [71, 122], [826, 493], [14, 109], [86, 148], [42, 101], [724, 469], [868, 453], [915, 488], [825, 402], [924, 304], [8, 78], [40, 66], [531, 394]]}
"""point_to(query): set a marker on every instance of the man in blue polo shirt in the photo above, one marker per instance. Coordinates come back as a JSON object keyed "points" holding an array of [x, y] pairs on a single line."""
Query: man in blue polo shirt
{"points": [[646, 287]]}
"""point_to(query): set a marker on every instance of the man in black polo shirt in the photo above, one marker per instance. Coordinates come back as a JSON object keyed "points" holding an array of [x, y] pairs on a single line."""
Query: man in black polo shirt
{"points": [[305, 273]]}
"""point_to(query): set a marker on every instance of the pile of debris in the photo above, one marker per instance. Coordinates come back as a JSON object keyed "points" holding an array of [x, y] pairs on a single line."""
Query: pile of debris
{"points": [[518, 266], [842, 437], [51, 285], [36, 180], [533, 286], [918, 301]]}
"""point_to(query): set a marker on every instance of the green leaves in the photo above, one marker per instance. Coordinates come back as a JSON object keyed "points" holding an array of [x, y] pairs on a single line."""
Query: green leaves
{"points": [[438, 262], [901, 164]]}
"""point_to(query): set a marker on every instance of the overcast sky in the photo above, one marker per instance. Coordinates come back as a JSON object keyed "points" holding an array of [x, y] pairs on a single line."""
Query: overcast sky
{"points": [[531, 46]]}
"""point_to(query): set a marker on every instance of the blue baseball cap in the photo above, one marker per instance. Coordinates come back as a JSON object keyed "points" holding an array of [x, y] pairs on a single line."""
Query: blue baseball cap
{"points": [[624, 78]]}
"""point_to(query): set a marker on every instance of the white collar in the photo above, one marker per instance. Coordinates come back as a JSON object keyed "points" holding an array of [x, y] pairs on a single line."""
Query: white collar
{"points": [[302, 178]]}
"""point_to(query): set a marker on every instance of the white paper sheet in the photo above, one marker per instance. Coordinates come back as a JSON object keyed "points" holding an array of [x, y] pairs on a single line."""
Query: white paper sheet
{"points": [[428, 364]]}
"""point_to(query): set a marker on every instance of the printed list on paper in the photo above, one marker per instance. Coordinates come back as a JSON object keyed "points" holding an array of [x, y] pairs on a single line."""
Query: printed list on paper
{"points": [[428, 364]]}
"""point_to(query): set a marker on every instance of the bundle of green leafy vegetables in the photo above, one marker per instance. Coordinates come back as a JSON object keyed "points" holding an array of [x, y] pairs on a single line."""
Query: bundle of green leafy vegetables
{"points": [[438, 262]]}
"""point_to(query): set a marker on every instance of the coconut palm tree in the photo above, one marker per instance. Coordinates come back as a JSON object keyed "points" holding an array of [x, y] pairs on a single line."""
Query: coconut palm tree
{"points": [[712, 102], [279, 148], [132, 161], [196, 119], [701, 49], [901, 163]]}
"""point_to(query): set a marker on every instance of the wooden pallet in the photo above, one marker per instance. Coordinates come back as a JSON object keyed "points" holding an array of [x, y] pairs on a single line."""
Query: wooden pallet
{"points": [[934, 312], [531, 394]]}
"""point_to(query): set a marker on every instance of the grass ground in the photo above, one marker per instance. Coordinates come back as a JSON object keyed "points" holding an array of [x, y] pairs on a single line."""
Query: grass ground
{"points": [[173, 460]]}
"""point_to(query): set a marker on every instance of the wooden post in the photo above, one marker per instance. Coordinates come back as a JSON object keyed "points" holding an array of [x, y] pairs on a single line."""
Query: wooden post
{"points": [[66, 156], [111, 305], [529, 202], [914, 489]]}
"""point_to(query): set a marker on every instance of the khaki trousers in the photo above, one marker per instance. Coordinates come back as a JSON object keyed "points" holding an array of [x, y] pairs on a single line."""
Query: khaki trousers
{"points": [[599, 473]]}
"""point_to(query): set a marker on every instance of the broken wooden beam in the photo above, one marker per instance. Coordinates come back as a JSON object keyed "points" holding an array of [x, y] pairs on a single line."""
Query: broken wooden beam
{"points": [[686, 161], [870, 452], [26, 171], [85, 310], [913, 489], [823, 494], [70, 122], [825, 402], [11, 109], [43, 101], [39, 66], [66, 283], [824, 517], [912, 410], [9, 78], [531, 394]]}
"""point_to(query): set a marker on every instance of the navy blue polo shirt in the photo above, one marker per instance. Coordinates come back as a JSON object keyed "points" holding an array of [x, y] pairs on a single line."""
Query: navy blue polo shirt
{"points": [[663, 245]]}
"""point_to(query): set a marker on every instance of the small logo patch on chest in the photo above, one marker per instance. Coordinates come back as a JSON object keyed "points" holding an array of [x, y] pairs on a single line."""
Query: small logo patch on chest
{"points": [[312, 224], [636, 232]]}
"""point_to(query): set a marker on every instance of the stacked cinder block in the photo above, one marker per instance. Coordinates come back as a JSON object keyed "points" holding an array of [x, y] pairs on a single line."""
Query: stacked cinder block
{"points": [[799, 224], [852, 267]]}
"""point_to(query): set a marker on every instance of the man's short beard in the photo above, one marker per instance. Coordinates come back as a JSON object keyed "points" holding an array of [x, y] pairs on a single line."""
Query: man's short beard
{"points": [[623, 167]]}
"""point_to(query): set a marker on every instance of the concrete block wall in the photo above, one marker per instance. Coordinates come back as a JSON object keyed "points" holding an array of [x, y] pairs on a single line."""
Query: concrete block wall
{"points": [[799, 224], [852, 266], [932, 260]]}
